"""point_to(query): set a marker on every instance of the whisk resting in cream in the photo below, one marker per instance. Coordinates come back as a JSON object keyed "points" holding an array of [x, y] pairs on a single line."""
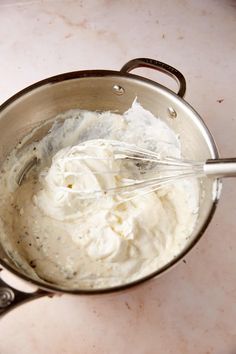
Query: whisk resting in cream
{"points": [[93, 243]]}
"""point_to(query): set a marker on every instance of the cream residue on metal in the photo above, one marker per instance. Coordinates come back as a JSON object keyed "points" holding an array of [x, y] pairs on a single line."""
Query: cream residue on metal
{"points": [[97, 243]]}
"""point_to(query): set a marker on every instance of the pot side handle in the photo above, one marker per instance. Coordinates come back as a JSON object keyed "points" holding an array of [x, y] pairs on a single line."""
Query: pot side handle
{"points": [[10, 298], [158, 65]]}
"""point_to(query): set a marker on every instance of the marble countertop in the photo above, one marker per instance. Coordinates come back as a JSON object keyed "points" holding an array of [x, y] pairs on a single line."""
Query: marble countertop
{"points": [[192, 308]]}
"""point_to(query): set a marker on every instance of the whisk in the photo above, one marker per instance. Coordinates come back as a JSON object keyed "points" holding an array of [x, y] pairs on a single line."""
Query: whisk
{"points": [[142, 171]]}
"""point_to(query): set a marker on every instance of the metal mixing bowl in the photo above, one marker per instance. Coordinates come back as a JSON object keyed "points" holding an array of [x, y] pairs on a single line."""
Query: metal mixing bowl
{"points": [[104, 90]]}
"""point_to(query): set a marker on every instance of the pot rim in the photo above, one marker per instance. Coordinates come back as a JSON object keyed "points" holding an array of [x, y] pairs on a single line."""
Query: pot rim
{"points": [[103, 73]]}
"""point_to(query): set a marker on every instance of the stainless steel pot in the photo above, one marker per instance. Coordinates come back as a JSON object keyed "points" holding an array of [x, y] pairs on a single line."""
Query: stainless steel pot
{"points": [[106, 90]]}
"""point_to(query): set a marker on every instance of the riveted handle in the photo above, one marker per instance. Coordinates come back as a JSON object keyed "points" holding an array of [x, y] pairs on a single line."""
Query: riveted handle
{"points": [[11, 297], [158, 65]]}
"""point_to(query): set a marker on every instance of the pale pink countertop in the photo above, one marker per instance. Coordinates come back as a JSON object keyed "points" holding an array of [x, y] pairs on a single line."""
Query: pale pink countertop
{"points": [[192, 308]]}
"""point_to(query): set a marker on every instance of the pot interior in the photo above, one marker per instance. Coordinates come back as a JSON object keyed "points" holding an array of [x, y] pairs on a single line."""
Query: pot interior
{"points": [[95, 91]]}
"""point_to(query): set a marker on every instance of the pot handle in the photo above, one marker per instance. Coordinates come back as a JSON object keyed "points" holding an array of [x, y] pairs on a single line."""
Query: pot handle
{"points": [[157, 65], [11, 298]]}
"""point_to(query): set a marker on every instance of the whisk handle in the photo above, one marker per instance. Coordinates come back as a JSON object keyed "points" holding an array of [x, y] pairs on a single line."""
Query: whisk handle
{"points": [[220, 167]]}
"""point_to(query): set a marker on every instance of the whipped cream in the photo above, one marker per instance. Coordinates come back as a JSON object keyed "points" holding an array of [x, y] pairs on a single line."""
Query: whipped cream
{"points": [[94, 242]]}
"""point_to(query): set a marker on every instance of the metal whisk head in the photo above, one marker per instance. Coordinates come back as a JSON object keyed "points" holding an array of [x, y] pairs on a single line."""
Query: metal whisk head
{"points": [[99, 168]]}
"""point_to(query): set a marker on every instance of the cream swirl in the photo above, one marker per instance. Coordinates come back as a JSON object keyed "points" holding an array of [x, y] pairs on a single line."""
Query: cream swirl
{"points": [[83, 167]]}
